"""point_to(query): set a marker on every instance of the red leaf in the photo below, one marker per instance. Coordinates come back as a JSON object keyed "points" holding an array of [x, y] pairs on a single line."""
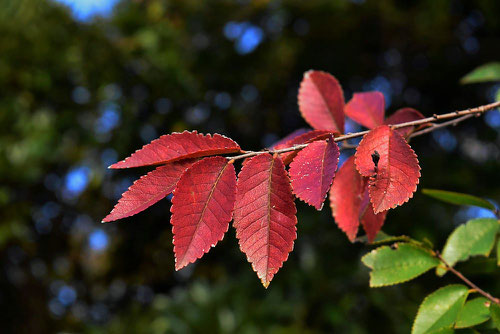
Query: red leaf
{"points": [[402, 116], [264, 215], [321, 101], [202, 207], [367, 109], [312, 171], [289, 137], [148, 190], [307, 137], [350, 204], [395, 178], [372, 222], [177, 146]]}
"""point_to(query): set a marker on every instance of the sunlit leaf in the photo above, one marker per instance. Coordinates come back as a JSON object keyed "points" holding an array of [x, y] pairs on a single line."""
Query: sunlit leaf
{"points": [[264, 215], [474, 312], [350, 203], [440, 309], [149, 189], [202, 208], [495, 315], [307, 137], [312, 171], [404, 115], [498, 253], [394, 178], [484, 73], [398, 263], [476, 237], [321, 101], [366, 109], [458, 198], [178, 146]]}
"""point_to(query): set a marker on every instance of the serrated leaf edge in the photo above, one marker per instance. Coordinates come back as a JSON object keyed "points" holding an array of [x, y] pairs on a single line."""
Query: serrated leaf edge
{"points": [[400, 266], [306, 75], [210, 136], [469, 256], [427, 297]]}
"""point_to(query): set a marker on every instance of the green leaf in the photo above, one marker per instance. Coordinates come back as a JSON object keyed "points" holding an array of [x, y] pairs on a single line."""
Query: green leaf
{"points": [[384, 238], [498, 253], [495, 314], [474, 312], [484, 73], [497, 96], [458, 198], [444, 331], [397, 264], [439, 310], [476, 237]]}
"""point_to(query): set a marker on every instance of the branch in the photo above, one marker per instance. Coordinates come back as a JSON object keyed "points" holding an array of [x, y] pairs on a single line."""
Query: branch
{"points": [[457, 116], [466, 280], [434, 127]]}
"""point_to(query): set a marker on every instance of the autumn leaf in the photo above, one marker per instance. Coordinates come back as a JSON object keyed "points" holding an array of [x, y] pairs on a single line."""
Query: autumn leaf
{"points": [[321, 101], [289, 137], [367, 109], [350, 203], [202, 207], [177, 146], [404, 115], [149, 189], [312, 171], [307, 137], [264, 215], [372, 222], [385, 157]]}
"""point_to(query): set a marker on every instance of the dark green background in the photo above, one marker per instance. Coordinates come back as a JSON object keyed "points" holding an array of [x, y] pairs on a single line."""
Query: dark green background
{"points": [[152, 50]]}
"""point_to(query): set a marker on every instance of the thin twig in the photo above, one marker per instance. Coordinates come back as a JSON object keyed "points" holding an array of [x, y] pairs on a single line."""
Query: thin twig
{"points": [[466, 280], [434, 127], [458, 116]]}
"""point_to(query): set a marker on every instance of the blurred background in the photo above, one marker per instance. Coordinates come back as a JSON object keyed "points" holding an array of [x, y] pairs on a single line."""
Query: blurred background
{"points": [[84, 83]]}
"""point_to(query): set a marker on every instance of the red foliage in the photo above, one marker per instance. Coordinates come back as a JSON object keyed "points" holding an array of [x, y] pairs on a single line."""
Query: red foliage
{"points": [[177, 146], [289, 137], [350, 203], [383, 174], [367, 109], [264, 215], [202, 207], [321, 101], [307, 137], [402, 116], [148, 190], [395, 178], [312, 171]]}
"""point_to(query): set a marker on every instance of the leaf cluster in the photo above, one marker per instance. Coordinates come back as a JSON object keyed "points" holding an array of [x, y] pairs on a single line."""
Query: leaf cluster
{"points": [[207, 193]]}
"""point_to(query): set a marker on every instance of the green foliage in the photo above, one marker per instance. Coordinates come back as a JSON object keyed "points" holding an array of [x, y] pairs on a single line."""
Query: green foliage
{"points": [[440, 309], [484, 73], [495, 314], [474, 312], [151, 50], [498, 253], [476, 237], [399, 263], [458, 198]]}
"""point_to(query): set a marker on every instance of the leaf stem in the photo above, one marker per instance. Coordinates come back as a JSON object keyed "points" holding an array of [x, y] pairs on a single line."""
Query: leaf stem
{"points": [[456, 116], [466, 280]]}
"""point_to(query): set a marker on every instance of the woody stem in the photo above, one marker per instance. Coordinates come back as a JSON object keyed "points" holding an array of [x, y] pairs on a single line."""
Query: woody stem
{"points": [[456, 116]]}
